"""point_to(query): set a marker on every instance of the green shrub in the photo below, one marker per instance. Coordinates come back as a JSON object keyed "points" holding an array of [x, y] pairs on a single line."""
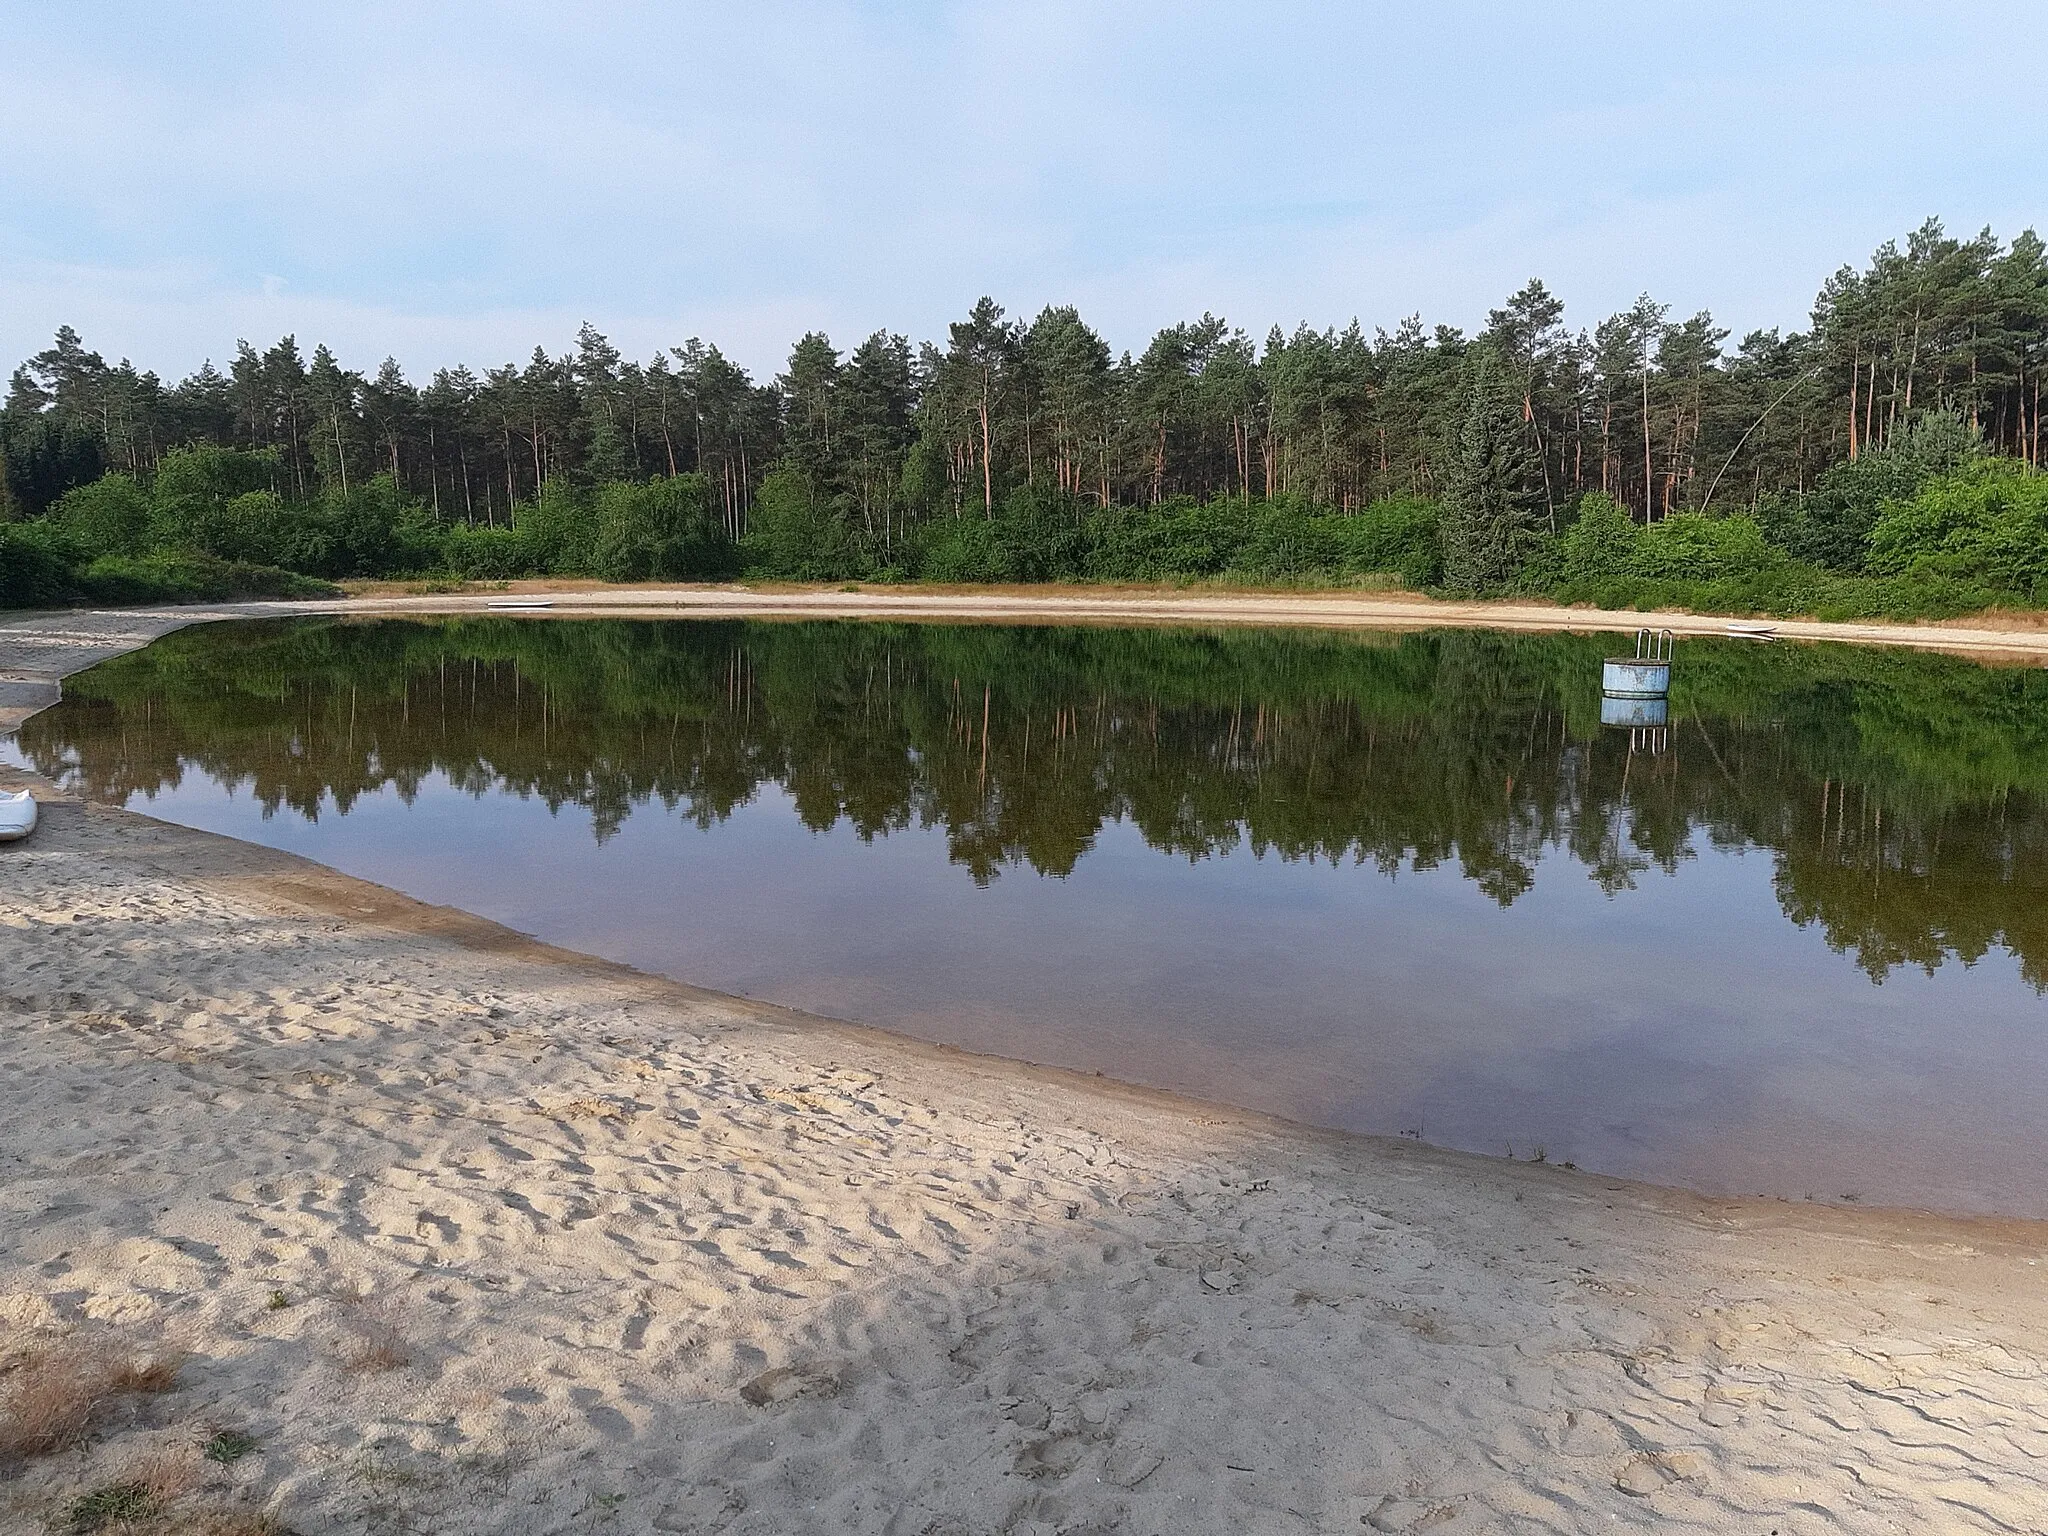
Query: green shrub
{"points": [[1690, 547], [1172, 539], [111, 515], [219, 502], [1789, 589], [1285, 541], [35, 569], [371, 530], [661, 530], [1986, 524], [796, 534], [191, 578], [1600, 543], [1832, 525], [485, 554], [559, 529], [1397, 536]]}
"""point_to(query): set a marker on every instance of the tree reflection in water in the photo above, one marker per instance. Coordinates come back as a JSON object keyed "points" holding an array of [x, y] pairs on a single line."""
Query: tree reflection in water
{"points": [[1900, 793]]}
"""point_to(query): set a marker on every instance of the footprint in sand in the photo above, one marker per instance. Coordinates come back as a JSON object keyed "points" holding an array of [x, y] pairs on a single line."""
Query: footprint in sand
{"points": [[783, 1382], [1643, 1475]]}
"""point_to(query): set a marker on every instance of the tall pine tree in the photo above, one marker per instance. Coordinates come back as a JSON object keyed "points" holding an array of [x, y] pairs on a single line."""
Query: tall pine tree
{"points": [[1493, 488]]}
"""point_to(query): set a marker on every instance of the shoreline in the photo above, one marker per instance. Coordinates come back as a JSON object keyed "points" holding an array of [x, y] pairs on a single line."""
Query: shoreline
{"points": [[58, 646], [561, 1242]]}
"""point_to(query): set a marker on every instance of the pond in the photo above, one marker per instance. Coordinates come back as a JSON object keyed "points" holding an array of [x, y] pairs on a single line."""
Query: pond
{"points": [[1402, 883]]}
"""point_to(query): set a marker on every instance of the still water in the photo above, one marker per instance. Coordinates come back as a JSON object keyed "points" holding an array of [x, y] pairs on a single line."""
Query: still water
{"points": [[1398, 883]]}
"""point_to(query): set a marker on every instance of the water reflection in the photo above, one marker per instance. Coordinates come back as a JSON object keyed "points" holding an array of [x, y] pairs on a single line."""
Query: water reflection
{"points": [[959, 830]]}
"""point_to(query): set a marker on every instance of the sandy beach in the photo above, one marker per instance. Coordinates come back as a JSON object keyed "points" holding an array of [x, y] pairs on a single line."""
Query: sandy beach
{"points": [[417, 1225]]}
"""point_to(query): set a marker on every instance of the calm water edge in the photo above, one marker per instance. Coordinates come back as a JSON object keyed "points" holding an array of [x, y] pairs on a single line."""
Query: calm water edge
{"points": [[1401, 883]]}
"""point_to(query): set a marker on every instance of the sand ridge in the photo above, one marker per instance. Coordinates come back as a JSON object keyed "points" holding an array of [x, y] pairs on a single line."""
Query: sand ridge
{"points": [[564, 1248]]}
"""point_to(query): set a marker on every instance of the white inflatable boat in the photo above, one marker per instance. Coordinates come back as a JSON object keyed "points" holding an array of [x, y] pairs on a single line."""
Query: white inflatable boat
{"points": [[17, 816]]}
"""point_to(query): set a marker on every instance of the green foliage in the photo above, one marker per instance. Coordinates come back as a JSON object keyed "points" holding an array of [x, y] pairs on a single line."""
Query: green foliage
{"points": [[1601, 542], [1033, 537], [219, 502], [368, 530], [795, 534], [1170, 540], [659, 530], [1791, 589], [559, 530], [1985, 524], [36, 570], [1487, 529], [42, 457], [1832, 526], [1396, 537], [210, 526], [110, 515], [486, 554], [1690, 547], [174, 577]]}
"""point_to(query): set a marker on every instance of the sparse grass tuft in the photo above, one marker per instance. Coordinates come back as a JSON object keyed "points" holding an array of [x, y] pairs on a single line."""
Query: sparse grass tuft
{"points": [[166, 1473], [369, 1355], [229, 1446], [154, 1374], [56, 1393], [374, 1341], [278, 1301], [114, 1504]]}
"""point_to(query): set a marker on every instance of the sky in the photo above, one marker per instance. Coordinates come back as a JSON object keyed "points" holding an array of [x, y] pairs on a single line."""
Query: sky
{"points": [[459, 182]]}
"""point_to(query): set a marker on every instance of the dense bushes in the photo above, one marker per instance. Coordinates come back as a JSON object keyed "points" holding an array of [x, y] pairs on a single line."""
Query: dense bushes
{"points": [[33, 574], [794, 534], [1039, 535], [212, 524], [46, 565], [1986, 524], [1927, 526]]}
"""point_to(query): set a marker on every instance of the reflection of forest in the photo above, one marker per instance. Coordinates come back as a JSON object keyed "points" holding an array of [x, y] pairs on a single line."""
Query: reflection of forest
{"points": [[1901, 793]]}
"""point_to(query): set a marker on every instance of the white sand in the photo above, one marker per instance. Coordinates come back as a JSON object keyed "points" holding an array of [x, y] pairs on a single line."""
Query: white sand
{"points": [[660, 1260]]}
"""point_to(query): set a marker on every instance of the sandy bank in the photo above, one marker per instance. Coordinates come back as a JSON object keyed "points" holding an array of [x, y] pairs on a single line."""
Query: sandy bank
{"points": [[560, 1247]]}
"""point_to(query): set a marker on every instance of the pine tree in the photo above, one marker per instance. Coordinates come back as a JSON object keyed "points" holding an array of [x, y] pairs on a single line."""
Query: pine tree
{"points": [[1492, 490]]}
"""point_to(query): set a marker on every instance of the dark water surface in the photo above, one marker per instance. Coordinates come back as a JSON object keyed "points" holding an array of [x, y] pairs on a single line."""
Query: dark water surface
{"points": [[1395, 883]]}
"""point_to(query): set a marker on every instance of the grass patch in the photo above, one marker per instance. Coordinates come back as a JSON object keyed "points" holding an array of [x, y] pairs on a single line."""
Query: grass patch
{"points": [[229, 1446], [112, 1505]]}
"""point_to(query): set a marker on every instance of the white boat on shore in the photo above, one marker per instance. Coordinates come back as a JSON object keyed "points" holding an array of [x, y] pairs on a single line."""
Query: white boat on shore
{"points": [[17, 816]]}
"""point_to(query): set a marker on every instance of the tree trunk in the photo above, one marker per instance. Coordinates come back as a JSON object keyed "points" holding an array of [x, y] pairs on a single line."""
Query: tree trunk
{"points": [[1855, 372], [988, 472], [1648, 482]]}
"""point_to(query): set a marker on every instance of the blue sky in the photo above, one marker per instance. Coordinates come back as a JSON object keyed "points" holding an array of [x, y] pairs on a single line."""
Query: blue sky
{"points": [[456, 182]]}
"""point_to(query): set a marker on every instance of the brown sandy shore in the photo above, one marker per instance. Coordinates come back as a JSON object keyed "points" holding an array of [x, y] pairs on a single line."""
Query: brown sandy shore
{"points": [[560, 1247]]}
